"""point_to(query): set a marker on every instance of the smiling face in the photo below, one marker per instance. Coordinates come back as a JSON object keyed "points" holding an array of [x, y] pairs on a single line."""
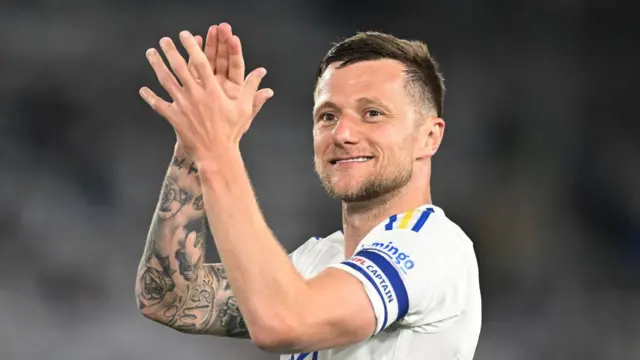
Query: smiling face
{"points": [[364, 130]]}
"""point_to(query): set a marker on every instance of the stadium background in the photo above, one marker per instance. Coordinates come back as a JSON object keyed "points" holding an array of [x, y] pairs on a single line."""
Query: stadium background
{"points": [[540, 163]]}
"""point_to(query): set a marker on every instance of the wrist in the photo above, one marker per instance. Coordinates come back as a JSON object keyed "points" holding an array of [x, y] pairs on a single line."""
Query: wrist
{"points": [[220, 163], [178, 149]]}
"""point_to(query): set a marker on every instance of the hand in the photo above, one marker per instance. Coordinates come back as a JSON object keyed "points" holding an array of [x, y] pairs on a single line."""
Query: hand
{"points": [[213, 104]]}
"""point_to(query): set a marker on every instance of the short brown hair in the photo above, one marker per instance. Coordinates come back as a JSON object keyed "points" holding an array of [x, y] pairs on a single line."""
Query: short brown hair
{"points": [[423, 78]]}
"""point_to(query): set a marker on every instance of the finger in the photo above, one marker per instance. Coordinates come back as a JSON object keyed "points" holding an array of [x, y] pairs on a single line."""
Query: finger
{"points": [[236, 60], [192, 69], [177, 63], [252, 82], [164, 75], [197, 57], [211, 46], [155, 102], [222, 55], [261, 97]]}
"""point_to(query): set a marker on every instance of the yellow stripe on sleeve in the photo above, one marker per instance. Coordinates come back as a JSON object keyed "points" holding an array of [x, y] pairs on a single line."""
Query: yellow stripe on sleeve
{"points": [[406, 219]]}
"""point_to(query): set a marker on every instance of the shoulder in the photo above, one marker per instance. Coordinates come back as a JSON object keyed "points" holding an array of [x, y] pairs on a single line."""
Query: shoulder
{"points": [[319, 241], [315, 244], [419, 237], [427, 224]]}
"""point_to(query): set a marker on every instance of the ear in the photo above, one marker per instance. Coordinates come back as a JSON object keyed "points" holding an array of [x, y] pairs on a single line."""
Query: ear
{"points": [[437, 134], [431, 134]]}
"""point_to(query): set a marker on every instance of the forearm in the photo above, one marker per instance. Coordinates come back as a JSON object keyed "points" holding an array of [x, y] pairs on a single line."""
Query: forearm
{"points": [[175, 241], [171, 267], [173, 286], [265, 282]]}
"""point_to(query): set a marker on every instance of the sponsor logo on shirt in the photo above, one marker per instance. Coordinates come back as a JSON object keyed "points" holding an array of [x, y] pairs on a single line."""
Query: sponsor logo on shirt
{"points": [[401, 259]]}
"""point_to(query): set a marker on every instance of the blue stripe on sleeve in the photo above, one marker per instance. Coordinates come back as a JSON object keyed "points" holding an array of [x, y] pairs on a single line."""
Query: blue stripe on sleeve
{"points": [[422, 219], [314, 356], [392, 219], [395, 280], [375, 286]]}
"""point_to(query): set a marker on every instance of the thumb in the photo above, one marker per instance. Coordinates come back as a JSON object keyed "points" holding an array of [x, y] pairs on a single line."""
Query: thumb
{"points": [[260, 99], [252, 83]]}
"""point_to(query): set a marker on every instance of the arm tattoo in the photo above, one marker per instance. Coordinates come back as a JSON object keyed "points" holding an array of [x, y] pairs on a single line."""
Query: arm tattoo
{"points": [[206, 307], [155, 286], [184, 163], [198, 203], [172, 199], [231, 320], [177, 162], [174, 287], [193, 310]]}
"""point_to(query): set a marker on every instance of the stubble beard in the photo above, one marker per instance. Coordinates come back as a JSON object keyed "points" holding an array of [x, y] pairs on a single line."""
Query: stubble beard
{"points": [[378, 185]]}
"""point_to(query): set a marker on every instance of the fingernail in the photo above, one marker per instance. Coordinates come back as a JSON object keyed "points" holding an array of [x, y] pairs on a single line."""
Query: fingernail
{"points": [[185, 33], [164, 42], [149, 52]]}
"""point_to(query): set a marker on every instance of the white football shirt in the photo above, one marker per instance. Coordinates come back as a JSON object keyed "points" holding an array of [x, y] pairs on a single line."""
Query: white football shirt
{"points": [[420, 272]]}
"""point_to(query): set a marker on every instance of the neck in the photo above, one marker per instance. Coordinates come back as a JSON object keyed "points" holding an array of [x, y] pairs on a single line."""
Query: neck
{"points": [[359, 218]]}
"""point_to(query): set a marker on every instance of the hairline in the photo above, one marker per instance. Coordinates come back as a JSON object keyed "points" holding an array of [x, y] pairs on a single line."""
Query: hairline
{"points": [[420, 97]]}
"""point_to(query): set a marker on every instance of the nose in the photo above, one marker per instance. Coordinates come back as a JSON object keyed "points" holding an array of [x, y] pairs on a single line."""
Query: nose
{"points": [[346, 130]]}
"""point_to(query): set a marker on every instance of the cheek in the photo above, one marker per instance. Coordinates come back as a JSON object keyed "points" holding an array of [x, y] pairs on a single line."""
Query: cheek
{"points": [[320, 142], [316, 146], [400, 149]]}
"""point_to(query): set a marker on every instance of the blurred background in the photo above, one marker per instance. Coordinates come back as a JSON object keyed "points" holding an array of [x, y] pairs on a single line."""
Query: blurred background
{"points": [[540, 163]]}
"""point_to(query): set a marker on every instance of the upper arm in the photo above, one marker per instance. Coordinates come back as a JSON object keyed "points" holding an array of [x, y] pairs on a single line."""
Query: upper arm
{"points": [[336, 311]]}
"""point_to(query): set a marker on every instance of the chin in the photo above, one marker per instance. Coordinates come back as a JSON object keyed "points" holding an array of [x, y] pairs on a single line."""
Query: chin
{"points": [[351, 189], [352, 192], [340, 190], [346, 186], [358, 195]]}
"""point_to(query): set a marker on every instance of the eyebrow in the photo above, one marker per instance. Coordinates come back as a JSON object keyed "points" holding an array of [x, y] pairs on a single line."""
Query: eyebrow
{"points": [[371, 101], [324, 105], [361, 102]]}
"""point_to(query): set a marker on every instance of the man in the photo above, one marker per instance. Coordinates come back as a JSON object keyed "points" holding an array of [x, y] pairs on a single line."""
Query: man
{"points": [[400, 281]]}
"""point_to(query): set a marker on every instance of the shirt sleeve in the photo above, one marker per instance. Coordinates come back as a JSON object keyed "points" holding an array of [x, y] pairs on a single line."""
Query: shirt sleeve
{"points": [[413, 279], [298, 255]]}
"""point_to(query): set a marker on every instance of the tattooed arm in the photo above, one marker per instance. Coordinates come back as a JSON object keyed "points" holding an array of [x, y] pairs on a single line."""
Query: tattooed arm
{"points": [[173, 286]]}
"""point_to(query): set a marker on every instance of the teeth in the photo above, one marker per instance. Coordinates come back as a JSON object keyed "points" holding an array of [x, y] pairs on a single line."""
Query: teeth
{"points": [[358, 159]]}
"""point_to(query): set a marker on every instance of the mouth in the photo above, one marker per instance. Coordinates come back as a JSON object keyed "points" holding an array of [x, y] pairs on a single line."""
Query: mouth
{"points": [[352, 159]]}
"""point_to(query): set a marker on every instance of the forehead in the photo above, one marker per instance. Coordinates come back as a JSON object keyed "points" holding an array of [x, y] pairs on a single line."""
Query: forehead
{"points": [[383, 79]]}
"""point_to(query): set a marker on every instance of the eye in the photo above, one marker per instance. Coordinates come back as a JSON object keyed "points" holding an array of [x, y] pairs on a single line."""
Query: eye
{"points": [[373, 113], [327, 117]]}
